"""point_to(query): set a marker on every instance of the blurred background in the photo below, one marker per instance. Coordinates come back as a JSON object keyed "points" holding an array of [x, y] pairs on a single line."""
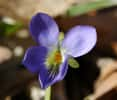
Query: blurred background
{"points": [[95, 79]]}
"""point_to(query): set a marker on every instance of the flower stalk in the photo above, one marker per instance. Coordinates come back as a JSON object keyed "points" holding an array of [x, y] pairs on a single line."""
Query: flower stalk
{"points": [[48, 93]]}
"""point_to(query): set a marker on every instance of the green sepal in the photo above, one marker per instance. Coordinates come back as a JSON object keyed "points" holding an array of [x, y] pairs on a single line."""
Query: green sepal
{"points": [[73, 63], [61, 36]]}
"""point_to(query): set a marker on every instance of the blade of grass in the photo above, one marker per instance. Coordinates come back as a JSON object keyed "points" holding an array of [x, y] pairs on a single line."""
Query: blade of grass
{"points": [[91, 6]]}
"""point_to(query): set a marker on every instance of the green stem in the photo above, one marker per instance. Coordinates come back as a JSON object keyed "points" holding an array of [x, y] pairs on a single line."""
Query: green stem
{"points": [[48, 93]]}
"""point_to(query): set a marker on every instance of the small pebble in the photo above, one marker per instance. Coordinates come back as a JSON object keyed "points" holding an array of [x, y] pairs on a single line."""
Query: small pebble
{"points": [[8, 98], [37, 93], [18, 51], [8, 20], [22, 34], [5, 54]]}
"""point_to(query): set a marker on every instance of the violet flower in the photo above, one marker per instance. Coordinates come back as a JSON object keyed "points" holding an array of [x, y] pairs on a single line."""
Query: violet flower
{"points": [[50, 59]]}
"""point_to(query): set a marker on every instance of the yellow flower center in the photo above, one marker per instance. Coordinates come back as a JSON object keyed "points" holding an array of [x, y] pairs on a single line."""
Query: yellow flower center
{"points": [[58, 57], [54, 59]]}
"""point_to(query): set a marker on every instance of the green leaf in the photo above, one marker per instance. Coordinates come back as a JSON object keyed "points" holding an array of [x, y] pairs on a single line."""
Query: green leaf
{"points": [[73, 63], [9, 29]]}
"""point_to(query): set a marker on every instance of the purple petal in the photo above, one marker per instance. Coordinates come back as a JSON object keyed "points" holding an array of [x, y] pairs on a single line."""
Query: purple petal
{"points": [[44, 29], [79, 40], [34, 58], [47, 78]]}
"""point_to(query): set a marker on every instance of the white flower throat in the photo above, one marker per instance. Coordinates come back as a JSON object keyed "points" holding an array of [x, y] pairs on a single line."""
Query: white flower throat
{"points": [[55, 57]]}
